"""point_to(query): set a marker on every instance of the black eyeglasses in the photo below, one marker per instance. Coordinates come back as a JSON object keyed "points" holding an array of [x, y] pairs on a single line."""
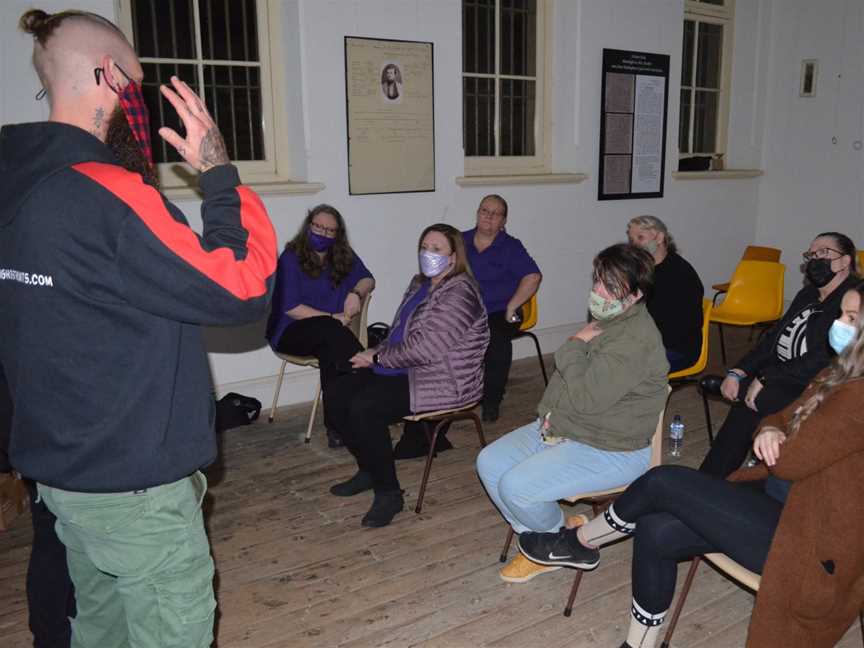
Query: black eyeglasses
{"points": [[821, 253]]}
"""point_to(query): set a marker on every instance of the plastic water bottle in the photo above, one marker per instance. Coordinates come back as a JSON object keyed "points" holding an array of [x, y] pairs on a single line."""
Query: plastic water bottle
{"points": [[676, 436]]}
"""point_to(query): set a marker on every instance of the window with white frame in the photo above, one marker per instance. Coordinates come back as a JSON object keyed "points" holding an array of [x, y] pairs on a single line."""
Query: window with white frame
{"points": [[221, 49], [705, 63], [503, 83]]}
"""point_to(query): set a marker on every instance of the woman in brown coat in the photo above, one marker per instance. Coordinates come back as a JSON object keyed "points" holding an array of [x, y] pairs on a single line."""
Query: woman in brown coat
{"points": [[431, 360], [811, 556]]}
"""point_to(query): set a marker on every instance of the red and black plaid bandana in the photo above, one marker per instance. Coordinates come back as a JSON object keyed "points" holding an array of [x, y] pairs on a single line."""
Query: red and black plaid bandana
{"points": [[133, 106]]}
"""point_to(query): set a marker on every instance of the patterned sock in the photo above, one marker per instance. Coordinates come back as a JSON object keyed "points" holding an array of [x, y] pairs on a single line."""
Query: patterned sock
{"points": [[644, 627], [605, 528]]}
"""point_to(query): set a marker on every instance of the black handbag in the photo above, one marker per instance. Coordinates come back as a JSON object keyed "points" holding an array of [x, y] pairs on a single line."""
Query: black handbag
{"points": [[376, 333], [234, 410]]}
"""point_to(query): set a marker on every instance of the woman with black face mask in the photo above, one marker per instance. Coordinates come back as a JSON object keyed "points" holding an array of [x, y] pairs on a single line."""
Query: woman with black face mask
{"points": [[786, 359]]}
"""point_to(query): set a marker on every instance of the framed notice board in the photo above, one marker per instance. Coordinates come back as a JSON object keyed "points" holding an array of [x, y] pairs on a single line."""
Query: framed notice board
{"points": [[635, 98], [390, 92]]}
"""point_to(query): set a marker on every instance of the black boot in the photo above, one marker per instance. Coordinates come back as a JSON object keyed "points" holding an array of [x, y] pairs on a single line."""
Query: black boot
{"points": [[334, 440], [491, 412], [384, 507], [362, 481], [413, 442]]}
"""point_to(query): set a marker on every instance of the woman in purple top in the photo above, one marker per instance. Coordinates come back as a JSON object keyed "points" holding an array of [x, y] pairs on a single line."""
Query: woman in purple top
{"points": [[431, 360], [508, 278], [320, 286]]}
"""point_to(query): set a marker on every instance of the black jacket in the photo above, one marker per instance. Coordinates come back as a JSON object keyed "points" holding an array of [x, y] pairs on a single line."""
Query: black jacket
{"points": [[798, 372], [103, 287]]}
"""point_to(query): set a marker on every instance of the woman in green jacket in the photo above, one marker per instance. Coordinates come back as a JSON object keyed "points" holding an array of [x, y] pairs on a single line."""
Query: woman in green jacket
{"points": [[597, 416]]}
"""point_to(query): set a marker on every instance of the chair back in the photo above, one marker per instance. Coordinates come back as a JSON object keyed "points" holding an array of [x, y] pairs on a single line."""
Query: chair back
{"points": [[529, 313], [755, 293], [759, 253], [358, 325], [860, 263], [702, 360]]}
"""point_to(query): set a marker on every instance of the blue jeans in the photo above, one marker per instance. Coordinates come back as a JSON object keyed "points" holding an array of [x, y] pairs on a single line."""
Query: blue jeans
{"points": [[526, 477]]}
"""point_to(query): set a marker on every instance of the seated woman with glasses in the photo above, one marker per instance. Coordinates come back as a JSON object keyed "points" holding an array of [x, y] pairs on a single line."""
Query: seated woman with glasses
{"points": [[801, 529], [431, 360], [598, 414], [320, 287], [788, 356]]}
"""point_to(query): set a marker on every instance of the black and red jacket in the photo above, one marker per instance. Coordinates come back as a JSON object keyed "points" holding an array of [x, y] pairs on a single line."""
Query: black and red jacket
{"points": [[103, 288]]}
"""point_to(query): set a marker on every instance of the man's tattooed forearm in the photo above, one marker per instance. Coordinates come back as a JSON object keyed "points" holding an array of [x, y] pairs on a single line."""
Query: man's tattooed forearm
{"points": [[212, 150]]}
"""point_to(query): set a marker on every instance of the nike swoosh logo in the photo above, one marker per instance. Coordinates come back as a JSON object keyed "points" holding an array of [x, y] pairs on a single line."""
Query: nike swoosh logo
{"points": [[552, 556]]}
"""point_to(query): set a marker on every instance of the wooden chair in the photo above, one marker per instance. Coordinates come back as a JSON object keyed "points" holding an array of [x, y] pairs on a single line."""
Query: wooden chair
{"points": [[727, 566], [529, 319], [357, 327], [751, 253], [755, 297], [442, 419], [686, 376], [599, 501]]}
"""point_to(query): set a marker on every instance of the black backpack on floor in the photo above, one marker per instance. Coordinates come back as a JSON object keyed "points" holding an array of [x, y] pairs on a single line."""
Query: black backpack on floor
{"points": [[234, 410]]}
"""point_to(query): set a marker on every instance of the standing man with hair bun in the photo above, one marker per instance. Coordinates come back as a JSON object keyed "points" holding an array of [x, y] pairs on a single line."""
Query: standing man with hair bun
{"points": [[105, 287]]}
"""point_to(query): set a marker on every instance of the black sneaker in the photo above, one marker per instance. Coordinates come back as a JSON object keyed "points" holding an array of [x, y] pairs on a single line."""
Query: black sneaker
{"points": [[361, 481], [558, 549], [491, 412], [384, 508]]}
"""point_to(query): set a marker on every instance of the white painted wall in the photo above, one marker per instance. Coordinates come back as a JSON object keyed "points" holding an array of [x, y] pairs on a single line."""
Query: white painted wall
{"points": [[813, 184], [563, 226]]}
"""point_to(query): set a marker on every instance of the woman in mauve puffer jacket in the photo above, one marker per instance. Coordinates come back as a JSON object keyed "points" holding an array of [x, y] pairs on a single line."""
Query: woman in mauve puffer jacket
{"points": [[431, 360]]}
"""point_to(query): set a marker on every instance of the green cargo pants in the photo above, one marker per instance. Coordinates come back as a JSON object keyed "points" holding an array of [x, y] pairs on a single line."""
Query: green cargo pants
{"points": [[141, 565]]}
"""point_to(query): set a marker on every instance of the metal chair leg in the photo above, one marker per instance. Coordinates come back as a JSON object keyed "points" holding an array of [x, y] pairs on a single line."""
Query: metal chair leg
{"points": [[503, 557], [539, 355], [429, 457], [673, 621], [312, 414], [479, 427], [272, 416], [707, 417], [722, 344], [568, 609]]}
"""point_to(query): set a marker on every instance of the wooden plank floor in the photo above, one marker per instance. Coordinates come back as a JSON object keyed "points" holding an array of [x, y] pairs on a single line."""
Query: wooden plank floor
{"points": [[296, 569]]}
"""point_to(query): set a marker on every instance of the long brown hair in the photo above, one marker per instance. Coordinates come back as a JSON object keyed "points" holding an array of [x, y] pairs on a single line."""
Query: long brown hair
{"points": [[340, 256], [849, 365], [457, 244]]}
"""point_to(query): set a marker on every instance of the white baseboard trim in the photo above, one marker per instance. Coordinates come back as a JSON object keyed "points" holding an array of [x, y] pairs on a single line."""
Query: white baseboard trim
{"points": [[299, 384]]}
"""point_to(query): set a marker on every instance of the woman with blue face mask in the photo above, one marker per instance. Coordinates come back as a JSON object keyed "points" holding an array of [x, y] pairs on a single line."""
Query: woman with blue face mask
{"points": [[320, 287], [431, 360], [802, 530], [597, 416]]}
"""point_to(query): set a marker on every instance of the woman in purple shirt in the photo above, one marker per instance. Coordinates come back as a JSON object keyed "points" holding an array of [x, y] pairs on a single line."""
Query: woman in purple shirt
{"points": [[508, 278], [320, 286], [431, 360]]}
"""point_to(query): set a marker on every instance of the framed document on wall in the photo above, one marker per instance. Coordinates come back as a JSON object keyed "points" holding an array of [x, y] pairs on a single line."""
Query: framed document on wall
{"points": [[635, 97], [389, 91]]}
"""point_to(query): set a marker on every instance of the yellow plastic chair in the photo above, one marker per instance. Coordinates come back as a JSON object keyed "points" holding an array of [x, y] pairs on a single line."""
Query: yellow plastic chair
{"points": [[755, 297], [684, 377], [860, 263], [529, 319], [751, 253], [357, 327], [599, 501]]}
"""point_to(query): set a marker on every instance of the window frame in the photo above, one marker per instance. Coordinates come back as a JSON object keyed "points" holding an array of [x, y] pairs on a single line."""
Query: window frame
{"points": [[700, 12], [275, 167], [526, 164]]}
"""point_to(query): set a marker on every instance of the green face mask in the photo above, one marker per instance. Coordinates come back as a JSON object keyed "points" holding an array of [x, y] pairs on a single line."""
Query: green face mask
{"points": [[651, 247], [602, 308]]}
